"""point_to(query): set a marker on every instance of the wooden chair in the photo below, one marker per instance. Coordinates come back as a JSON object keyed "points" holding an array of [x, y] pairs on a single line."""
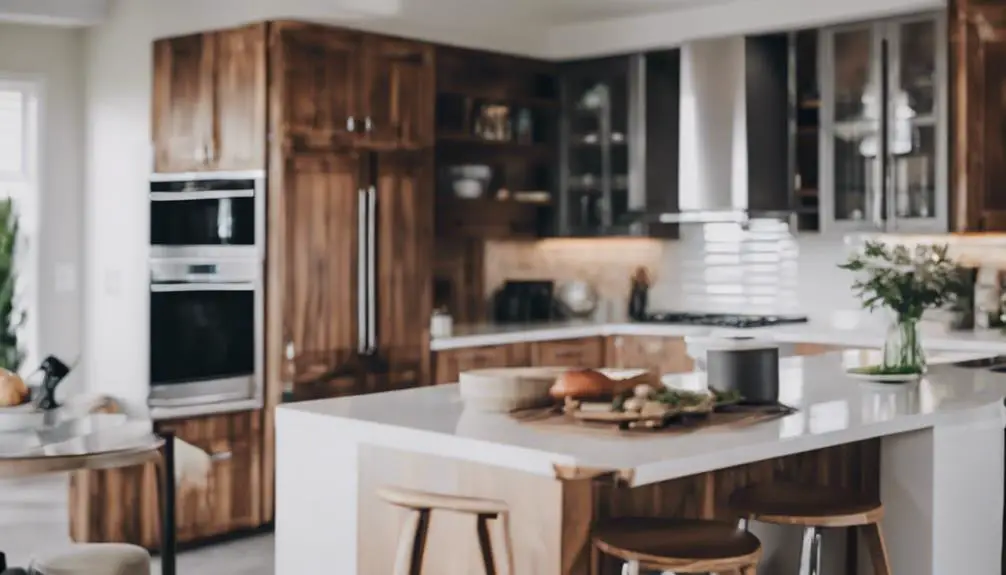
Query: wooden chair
{"points": [[677, 545], [412, 540], [816, 508]]}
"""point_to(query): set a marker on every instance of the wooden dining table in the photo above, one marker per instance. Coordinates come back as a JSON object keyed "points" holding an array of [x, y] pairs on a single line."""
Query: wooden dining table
{"points": [[96, 441]]}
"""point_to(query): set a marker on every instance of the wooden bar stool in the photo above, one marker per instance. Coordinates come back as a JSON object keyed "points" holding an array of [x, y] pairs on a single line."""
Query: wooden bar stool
{"points": [[678, 545], [815, 508], [412, 540]]}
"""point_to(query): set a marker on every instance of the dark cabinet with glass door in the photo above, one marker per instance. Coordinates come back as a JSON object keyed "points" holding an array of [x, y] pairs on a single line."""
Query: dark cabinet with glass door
{"points": [[620, 115]]}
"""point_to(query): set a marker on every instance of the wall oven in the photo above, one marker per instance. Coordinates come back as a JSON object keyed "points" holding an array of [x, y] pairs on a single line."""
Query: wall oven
{"points": [[207, 238], [208, 214], [206, 322]]}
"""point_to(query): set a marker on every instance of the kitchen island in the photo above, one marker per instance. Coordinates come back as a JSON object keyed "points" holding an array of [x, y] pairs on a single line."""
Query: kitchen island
{"points": [[933, 450]]}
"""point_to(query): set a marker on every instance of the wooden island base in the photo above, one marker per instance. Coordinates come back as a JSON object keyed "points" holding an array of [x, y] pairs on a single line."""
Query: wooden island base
{"points": [[551, 518]]}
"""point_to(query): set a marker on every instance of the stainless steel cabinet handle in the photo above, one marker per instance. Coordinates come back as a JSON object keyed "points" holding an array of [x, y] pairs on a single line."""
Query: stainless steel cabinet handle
{"points": [[361, 274], [350, 124], [221, 456], [368, 125], [371, 271]]}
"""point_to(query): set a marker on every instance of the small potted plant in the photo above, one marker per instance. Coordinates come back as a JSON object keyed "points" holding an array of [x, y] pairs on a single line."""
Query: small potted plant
{"points": [[906, 283]]}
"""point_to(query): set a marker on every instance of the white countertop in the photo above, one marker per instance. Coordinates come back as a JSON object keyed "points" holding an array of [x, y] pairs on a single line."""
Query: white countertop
{"points": [[833, 410], [852, 334]]}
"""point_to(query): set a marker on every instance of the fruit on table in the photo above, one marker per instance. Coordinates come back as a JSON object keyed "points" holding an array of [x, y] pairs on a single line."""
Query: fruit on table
{"points": [[13, 391]]}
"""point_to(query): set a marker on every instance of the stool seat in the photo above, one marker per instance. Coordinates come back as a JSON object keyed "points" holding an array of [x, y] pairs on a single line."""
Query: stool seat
{"points": [[796, 504], [94, 559], [681, 545], [413, 499]]}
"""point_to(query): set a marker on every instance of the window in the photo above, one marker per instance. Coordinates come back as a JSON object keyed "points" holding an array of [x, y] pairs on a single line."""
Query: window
{"points": [[19, 105]]}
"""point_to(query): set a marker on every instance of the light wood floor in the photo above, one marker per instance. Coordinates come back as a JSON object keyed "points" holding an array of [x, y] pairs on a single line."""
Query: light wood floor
{"points": [[33, 516]]}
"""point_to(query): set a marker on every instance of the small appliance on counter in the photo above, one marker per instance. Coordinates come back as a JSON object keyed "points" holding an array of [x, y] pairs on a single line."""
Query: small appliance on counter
{"points": [[524, 301]]}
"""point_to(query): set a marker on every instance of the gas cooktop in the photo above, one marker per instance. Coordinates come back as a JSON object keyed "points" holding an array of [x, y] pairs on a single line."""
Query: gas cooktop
{"points": [[722, 319]]}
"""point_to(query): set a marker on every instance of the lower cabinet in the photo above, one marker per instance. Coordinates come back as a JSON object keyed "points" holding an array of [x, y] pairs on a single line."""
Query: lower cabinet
{"points": [[448, 364], [660, 354], [584, 353], [122, 505]]}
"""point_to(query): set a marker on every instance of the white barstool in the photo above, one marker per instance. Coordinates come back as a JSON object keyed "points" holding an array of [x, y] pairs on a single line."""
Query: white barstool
{"points": [[93, 559]]}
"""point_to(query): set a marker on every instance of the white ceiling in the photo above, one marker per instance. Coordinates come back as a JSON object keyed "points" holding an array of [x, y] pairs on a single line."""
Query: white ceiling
{"points": [[572, 11]]}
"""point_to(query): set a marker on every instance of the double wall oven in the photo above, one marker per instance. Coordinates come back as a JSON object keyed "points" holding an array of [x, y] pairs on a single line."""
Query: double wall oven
{"points": [[207, 248]]}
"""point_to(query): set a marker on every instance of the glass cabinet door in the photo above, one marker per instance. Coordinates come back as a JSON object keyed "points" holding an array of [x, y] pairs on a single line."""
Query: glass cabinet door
{"points": [[851, 112], [917, 178], [595, 150]]}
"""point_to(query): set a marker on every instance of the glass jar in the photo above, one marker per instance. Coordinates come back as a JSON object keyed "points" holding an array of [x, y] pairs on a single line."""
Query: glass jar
{"points": [[903, 347]]}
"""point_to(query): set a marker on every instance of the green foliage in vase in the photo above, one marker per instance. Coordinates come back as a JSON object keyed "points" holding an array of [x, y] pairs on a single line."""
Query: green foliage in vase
{"points": [[908, 282], [10, 320]]}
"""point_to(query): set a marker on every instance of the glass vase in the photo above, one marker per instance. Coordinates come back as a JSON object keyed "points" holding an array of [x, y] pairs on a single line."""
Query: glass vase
{"points": [[903, 348]]}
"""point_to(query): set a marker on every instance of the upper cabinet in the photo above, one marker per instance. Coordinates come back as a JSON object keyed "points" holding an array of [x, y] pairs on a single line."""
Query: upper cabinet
{"points": [[209, 101], [344, 89], [978, 65], [399, 85], [884, 126]]}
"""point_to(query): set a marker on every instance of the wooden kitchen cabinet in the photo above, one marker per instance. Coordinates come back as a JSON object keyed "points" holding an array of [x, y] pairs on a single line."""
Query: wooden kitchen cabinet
{"points": [[450, 363], [209, 101], [661, 354], [977, 30], [399, 89], [317, 72], [586, 353], [404, 240], [122, 505], [346, 89], [320, 255]]}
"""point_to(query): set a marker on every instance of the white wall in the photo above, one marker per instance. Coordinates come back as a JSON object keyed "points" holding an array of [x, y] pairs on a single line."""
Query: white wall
{"points": [[54, 56], [118, 90]]}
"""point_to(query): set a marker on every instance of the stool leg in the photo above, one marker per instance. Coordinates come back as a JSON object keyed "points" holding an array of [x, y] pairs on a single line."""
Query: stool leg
{"points": [[485, 545], [810, 552], [595, 559], [504, 524], [412, 543], [874, 539]]}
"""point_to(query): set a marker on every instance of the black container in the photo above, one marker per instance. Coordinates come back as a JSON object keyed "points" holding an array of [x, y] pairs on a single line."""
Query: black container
{"points": [[750, 369]]}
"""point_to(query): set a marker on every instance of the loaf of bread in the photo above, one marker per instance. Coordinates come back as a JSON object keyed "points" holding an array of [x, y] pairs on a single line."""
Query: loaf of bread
{"points": [[588, 385], [13, 391]]}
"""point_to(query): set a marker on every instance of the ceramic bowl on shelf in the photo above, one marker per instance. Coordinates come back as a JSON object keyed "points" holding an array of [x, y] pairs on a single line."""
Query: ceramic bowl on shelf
{"points": [[468, 189]]}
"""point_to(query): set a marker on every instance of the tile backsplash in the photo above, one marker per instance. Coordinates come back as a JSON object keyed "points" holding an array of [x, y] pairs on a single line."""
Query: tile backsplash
{"points": [[606, 264]]}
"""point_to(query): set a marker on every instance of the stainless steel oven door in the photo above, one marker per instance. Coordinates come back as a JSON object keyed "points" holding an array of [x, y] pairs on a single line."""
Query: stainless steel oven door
{"points": [[205, 332]]}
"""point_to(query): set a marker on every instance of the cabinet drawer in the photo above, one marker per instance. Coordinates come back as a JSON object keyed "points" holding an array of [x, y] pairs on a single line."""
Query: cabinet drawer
{"points": [[587, 353], [450, 363], [661, 354]]}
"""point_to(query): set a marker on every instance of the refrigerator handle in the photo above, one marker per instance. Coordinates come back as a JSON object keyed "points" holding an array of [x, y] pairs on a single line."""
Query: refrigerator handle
{"points": [[361, 272], [884, 148], [371, 269]]}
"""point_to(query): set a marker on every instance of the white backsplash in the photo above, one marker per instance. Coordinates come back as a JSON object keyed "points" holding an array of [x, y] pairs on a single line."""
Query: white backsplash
{"points": [[787, 275]]}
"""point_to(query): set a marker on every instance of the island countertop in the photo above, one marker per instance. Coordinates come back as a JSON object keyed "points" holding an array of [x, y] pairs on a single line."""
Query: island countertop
{"points": [[833, 409], [843, 332]]}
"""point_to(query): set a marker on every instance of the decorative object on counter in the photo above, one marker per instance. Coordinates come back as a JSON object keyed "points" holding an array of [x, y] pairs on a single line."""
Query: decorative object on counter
{"points": [[962, 309], [441, 323], [525, 126], [639, 294], [747, 368], [907, 283], [578, 298], [506, 389], [988, 304], [54, 371]]}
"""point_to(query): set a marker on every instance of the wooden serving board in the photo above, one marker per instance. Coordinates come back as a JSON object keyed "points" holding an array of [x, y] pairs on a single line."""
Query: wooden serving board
{"points": [[553, 418]]}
